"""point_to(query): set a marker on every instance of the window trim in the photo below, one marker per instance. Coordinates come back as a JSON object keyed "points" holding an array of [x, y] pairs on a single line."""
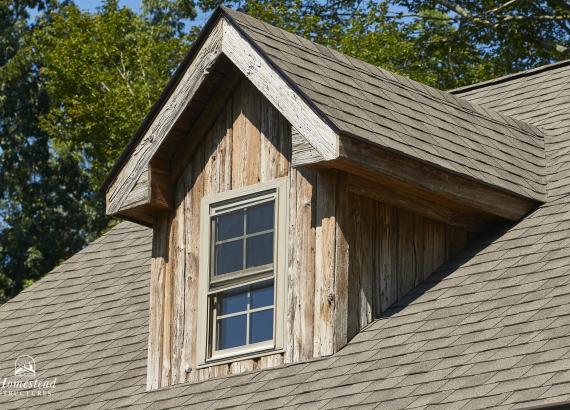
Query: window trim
{"points": [[221, 203]]}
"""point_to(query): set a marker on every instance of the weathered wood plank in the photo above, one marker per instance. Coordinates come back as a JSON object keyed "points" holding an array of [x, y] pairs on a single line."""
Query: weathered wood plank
{"points": [[325, 249], [194, 181], [341, 267], [216, 107], [301, 269], [139, 195], [167, 317], [302, 151], [279, 93], [404, 197], [178, 262], [156, 313], [165, 119], [387, 250], [363, 159]]}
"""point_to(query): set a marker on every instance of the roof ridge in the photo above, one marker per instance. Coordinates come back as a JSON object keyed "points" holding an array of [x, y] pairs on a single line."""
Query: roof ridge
{"points": [[509, 77]]}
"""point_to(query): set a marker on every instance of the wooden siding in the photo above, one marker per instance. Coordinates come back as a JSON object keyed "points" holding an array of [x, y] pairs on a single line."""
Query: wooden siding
{"points": [[335, 238], [391, 252], [248, 143]]}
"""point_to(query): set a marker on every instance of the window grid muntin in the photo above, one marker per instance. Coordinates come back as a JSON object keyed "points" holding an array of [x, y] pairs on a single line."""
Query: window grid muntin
{"points": [[244, 205], [248, 312], [241, 278]]}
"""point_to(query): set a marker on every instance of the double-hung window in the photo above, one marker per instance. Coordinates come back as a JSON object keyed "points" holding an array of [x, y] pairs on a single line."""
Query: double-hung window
{"points": [[242, 263]]}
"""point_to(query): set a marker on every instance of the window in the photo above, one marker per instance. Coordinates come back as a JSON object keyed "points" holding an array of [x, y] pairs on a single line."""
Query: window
{"points": [[242, 260]]}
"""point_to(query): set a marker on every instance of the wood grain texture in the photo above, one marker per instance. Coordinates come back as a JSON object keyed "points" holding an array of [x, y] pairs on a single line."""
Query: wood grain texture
{"points": [[177, 260], [156, 313], [165, 120], [391, 252], [279, 93], [325, 249], [301, 269], [247, 141], [433, 183]]}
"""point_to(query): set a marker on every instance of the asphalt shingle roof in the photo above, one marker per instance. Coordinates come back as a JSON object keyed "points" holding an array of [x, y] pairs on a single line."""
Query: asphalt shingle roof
{"points": [[394, 112], [540, 97], [491, 328]]}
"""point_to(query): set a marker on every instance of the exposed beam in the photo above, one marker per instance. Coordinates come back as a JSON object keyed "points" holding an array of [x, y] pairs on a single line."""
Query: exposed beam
{"points": [[436, 208], [137, 163], [274, 87], [393, 169]]}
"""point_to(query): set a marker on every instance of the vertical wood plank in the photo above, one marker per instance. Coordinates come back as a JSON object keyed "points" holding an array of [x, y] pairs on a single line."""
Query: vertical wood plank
{"points": [[325, 263], [341, 264], [406, 256], [269, 154], [301, 271], [239, 143], [419, 250], [252, 111], [367, 270], [226, 148], [356, 263], [156, 313], [177, 260], [168, 309], [388, 252], [195, 189]]}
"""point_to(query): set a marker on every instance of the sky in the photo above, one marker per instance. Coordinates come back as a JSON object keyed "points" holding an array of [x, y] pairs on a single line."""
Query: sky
{"points": [[91, 5]]}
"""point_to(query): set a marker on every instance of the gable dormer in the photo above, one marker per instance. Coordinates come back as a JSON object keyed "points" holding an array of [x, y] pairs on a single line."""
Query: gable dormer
{"points": [[295, 194]]}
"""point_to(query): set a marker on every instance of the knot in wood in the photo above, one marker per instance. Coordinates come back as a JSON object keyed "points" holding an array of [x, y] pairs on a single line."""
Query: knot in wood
{"points": [[330, 298]]}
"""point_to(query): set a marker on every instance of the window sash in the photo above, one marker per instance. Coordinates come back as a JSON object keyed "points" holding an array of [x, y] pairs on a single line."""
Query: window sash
{"points": [[214, 342], [225, 202], [250, 201]]}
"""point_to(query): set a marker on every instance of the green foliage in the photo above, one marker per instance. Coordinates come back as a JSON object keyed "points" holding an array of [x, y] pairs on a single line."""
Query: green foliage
{"points": [[502, 36], [47, 208], [102, 73], [75, 86]]}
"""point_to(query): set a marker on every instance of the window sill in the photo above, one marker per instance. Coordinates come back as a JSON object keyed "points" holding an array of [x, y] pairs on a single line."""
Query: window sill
{"points": [[226, 359]]}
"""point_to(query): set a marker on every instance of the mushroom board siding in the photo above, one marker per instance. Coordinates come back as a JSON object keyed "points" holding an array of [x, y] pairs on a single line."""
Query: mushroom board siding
{"points": [[347, 255], [249, 142], [391, 252]]}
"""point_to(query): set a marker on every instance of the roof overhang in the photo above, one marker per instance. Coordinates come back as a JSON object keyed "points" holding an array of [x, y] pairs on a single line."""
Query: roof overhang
{"points": [[141, 183], [136, 181]]}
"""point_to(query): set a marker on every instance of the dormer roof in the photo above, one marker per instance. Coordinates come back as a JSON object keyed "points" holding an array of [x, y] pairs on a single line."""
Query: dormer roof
{"points": [[346, 97]]}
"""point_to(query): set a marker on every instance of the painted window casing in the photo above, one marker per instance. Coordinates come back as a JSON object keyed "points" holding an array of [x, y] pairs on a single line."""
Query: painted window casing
{"points": [[223, 279]]}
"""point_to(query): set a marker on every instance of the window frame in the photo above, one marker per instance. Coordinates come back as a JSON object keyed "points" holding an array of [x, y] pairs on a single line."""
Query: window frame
{"points": [[219, 203]]}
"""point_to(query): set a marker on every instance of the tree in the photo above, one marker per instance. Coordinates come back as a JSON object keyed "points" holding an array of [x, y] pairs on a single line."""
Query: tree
{"points": [[510, 36], [442, 43], [102, 73], [74, 87], [46, 206]]}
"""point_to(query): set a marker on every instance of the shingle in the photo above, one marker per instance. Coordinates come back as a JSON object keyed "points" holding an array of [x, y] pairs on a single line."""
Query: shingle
{"points": [[504, 152]]}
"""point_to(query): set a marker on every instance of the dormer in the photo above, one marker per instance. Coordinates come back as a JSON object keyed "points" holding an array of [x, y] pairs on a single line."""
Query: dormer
{"points": [[296, 193]]}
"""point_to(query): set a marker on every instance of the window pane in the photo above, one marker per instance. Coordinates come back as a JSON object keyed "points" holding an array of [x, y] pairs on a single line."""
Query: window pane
{"points": [[260, 217], [262, 296], [229, 257], [261, 326], [232, 332], [233, 302], [259, 250], [229, 225]]}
